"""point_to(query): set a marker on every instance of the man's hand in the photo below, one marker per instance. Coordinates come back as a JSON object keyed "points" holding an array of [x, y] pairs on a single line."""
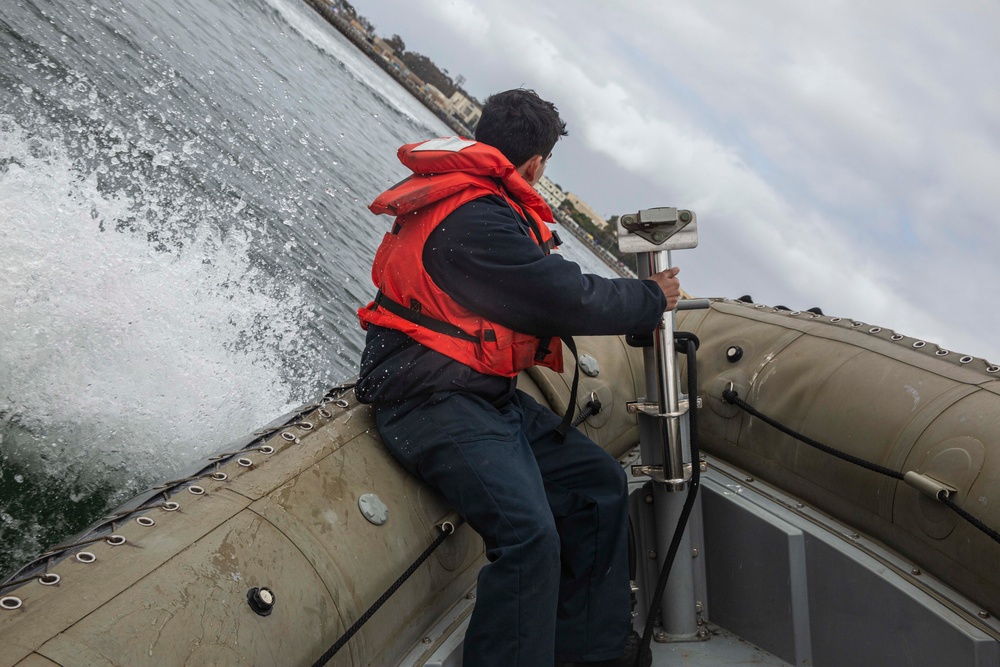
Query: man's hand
{"points": [[667, 280]]}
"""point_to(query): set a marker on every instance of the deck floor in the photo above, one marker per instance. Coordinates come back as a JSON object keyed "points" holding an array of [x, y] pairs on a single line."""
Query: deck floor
{"points": [[724, 649]]}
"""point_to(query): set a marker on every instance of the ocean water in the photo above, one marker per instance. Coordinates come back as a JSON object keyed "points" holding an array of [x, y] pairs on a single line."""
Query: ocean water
{"points": [[185, 237]]}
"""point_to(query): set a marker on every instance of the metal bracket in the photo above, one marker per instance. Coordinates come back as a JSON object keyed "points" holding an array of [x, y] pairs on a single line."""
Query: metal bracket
{"points": [[653, 409], [655, 473], [656, 229]]}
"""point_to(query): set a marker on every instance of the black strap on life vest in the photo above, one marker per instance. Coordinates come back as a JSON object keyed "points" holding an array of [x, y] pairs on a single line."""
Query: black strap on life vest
{"points": [[546, 246], [544, 349], [414, 314]]}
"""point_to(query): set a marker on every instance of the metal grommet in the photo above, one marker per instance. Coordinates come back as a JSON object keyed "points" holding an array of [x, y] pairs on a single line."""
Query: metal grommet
{"points": [[49, 579], [855, 325], [266, 449], [759, 305], [942, 353], [896, 337], [815, 316], [447, 527], [116, 540], [305, 426], [875, 330], [169, 506], [86, 557], [196, 490], [244, 461], [966, 360], [219, 476], [326, 414], [919, 344], [795, 312], [290, 437], [992, 369], [342, 403], [10, 603], [145, 521], [835, 319]]}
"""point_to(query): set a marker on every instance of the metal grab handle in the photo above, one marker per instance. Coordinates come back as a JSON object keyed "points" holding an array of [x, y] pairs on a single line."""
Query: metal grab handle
{"points": [[693, 304]]}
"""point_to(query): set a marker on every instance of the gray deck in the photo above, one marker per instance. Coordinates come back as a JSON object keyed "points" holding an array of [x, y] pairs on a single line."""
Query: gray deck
{"points": [[724, 649]]}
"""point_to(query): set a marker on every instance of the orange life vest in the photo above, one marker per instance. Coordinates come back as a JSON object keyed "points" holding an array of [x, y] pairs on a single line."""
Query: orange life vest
{"points": [[448, 173]]}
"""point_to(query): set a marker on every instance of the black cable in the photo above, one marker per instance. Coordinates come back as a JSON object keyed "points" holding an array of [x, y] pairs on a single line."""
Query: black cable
{"points": [[446, 530], [654, 606], [971, 519], [730, 396]]}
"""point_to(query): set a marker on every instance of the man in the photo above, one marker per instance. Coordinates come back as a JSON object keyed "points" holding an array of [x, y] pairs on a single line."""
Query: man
{"points": [[469, 295]]}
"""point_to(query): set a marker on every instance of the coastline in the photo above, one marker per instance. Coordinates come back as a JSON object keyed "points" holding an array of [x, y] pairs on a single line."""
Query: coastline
{"points": [[360, 40]]}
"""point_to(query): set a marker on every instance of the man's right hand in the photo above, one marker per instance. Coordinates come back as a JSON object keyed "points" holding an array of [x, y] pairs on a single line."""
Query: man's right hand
{"points": [[671, 286]]}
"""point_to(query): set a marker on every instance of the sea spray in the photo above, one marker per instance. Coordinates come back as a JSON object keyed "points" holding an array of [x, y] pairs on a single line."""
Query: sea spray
{"points": [[138, 334]]}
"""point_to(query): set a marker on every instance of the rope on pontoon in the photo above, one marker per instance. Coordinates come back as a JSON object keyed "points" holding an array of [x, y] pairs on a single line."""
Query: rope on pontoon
{"points": [[447, 528], [732, 397]]}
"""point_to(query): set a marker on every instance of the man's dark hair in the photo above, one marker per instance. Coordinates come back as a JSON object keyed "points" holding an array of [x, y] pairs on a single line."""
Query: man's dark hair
{"points": [[520, 125]]}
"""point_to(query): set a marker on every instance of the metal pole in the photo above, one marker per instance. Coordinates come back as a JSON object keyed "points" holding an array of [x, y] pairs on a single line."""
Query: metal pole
{"points": [[653, 233], [678, 615], [666, 364]]}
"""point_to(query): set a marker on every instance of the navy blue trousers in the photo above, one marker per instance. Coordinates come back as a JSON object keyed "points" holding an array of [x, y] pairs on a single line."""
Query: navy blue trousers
{"points": [[554, 517]]}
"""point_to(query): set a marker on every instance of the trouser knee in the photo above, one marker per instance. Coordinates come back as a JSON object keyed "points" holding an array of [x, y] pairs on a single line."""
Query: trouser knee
{"points": [[543, 544], [610, 482]]}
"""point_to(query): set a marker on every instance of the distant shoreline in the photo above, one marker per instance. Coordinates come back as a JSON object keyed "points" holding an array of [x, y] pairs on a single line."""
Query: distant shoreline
{"points": [[360, 40]]}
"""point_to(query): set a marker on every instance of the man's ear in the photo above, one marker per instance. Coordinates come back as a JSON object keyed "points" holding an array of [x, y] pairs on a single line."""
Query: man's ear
{"points": [[529, 170]]}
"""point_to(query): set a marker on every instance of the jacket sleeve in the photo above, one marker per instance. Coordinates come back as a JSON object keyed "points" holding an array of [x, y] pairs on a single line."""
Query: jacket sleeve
{"points": [[482, 257]]}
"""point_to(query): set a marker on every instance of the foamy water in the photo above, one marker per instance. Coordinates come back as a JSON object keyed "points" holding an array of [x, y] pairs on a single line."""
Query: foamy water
{"points": [[111, 332], [123, 359]]}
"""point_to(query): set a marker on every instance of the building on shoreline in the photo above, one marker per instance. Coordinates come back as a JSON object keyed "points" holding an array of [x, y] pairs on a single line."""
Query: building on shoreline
{"points": [[467, 111], [551, 192], [585, 208], [439, 98]]}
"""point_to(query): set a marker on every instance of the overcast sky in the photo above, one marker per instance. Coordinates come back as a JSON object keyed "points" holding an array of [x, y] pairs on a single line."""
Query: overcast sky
{"points": [[842, 154]]}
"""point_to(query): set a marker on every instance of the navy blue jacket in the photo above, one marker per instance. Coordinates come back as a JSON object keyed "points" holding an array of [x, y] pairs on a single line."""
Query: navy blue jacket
{"points": [[482, 256]]}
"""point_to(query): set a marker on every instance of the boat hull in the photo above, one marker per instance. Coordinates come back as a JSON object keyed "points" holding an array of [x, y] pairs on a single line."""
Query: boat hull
{"points": [[874, 394]]}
